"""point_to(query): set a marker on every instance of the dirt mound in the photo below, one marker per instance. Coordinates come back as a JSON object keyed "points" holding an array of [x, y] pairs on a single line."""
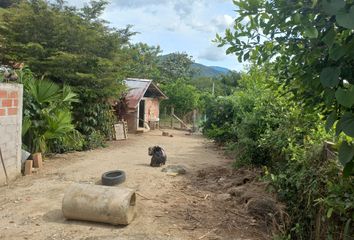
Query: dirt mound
{"points": [[268, 211], [233, 200], [261, 207], [225, 178]]}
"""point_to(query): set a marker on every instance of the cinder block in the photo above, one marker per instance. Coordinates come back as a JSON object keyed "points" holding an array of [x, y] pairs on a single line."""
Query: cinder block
{"points": [[28, 167], [37, 160]]}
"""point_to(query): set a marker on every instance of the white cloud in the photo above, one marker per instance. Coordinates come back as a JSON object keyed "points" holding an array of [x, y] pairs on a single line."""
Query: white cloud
{"points": [[213, 53], [182, 8], [175, 25], [216, 25], [222, 22], [138, 3], [194, 14]]}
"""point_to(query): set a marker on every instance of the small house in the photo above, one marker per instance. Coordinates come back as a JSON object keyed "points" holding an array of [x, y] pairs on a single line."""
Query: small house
{"points": [[143, 104]]}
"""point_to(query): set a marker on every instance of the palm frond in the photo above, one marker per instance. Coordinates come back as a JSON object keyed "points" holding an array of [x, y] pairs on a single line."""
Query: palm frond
{"points": [[43, 91], [59, 124], [26, 124], [69, 95]]}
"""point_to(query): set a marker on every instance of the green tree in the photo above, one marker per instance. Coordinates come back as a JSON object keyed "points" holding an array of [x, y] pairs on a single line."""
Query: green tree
{"points": [[63, 46], [182, 96], [223, 85], [204, 84], [93, 10], [68, 46], [175, 66], [139, 61], [228, 82], [312, 46]]}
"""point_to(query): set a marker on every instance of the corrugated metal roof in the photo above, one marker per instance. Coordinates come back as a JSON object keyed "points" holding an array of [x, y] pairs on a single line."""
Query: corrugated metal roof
{"points": [[137, 89]]}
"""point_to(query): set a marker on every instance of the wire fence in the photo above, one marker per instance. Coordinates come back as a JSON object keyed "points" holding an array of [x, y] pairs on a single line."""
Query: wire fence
{"points": [[190, 121]]}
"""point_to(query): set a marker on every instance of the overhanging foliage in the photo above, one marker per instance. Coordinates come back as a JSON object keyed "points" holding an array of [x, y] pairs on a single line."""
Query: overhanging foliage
{"points": [[311, 44]]}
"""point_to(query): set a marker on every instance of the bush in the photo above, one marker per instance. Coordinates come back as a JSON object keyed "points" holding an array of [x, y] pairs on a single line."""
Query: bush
{"points": [[95, 118], [241, 120], [73, 141], [263, 126], [94, 140], [319, 200], [220, 119]]}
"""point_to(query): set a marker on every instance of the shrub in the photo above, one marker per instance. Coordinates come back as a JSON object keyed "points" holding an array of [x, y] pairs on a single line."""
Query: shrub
{"points": [[95, 118], [319, 200], [220, 118], [264, 126], [72, 142], [94, 140]]}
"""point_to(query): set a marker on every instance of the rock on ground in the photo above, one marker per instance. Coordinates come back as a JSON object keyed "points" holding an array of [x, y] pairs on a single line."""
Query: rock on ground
{"points": [[174, 169]]}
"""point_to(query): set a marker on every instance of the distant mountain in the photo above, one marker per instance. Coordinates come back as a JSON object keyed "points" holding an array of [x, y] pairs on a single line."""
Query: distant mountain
{"points": [[220, 69], [208, 71], [201, 70]]}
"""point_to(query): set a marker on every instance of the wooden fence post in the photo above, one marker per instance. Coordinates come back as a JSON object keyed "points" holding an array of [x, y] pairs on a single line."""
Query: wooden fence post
{"points": [[194, 128], [172, 113]]}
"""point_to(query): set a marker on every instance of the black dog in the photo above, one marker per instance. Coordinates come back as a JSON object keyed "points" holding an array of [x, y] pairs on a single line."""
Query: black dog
{"points": [[158, 156]]}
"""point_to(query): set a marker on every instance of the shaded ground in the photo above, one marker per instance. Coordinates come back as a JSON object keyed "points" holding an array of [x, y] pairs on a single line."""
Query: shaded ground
{"points": [[192, 206]]}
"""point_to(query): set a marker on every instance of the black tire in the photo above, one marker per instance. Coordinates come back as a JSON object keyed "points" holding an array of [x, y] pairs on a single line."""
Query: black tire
{"points": [[112, 178]]}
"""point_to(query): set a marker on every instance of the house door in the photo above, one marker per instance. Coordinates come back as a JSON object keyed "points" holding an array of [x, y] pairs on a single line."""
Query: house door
{"points": [[141, 113]]}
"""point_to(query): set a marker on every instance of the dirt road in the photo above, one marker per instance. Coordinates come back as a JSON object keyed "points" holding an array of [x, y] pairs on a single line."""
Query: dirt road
{"points": [[167, 207]]}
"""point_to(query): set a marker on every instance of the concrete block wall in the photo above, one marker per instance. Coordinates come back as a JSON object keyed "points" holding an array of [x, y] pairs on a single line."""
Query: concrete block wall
{"points": [[11, 96]]}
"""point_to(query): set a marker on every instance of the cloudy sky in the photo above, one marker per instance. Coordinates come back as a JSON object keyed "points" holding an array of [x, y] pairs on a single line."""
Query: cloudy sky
{"points": [[176, 25]]}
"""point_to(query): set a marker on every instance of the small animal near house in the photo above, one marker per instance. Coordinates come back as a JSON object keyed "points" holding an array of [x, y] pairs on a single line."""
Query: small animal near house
{"points": [[158, 156]]}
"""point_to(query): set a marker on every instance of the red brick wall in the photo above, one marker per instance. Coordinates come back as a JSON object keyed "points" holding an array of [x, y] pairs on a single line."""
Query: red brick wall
{"points": [[8, 102]]}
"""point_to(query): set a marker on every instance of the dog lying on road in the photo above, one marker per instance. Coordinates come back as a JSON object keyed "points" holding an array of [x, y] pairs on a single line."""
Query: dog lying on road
{"points": [[158, 156]]}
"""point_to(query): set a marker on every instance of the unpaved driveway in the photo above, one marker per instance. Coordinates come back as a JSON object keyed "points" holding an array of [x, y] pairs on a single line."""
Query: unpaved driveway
{"points": [[31, 207]]}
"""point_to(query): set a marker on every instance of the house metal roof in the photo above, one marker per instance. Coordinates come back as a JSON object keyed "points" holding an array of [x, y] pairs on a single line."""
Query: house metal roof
{"points": [[137, 88]]}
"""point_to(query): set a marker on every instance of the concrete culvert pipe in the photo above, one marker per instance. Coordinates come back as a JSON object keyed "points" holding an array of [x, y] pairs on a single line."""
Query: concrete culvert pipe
{"points": [[99, 204]]}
